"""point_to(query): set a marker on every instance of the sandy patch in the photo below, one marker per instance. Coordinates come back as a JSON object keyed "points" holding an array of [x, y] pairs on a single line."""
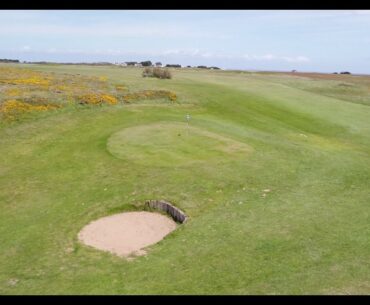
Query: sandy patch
{"points": [[127, 233]]}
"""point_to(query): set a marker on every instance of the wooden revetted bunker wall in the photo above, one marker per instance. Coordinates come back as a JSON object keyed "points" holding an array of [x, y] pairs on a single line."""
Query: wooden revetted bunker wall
{"points": [[167, 207]]}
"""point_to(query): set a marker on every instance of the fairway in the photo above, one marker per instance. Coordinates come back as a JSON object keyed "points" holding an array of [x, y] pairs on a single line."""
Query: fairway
{"points": [[273, 171]]}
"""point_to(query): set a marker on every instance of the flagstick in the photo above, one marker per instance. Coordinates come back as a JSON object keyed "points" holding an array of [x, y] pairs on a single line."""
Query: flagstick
{"points": [[187, 125]]}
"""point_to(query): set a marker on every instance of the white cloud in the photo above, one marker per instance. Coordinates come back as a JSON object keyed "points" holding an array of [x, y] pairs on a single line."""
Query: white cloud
{"points": [[105, 30], [270, 57], [295, 59], [199, 53], [208, 55], [186, 52], [51, 50], [264, 57]]}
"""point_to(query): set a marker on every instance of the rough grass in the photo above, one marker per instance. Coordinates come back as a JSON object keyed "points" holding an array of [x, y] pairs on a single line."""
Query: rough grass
{"points": [[290, 218]]}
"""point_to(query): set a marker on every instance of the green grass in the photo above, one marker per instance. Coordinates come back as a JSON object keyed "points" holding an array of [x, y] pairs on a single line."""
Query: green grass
{"points": [[173, 145], [249, 132]]}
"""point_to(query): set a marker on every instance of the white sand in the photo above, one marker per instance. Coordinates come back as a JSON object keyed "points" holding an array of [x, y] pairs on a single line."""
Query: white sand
{"points": [[127, 233]]}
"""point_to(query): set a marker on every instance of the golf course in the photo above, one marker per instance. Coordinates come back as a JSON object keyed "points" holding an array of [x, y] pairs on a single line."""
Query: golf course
{"points": [[272, 170]]}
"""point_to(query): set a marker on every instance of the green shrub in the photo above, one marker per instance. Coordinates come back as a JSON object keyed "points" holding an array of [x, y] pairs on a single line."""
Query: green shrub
{"points": [[157, 72]]}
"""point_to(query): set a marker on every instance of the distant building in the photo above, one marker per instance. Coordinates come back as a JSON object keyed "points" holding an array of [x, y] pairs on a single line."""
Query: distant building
{"points": [[158, 64]]}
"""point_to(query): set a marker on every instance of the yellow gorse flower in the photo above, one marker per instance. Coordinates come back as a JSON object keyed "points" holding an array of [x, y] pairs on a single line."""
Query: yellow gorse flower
{"points": [[14, 106], [96, 99], [13, 92], [24, 90], [149, 94]]}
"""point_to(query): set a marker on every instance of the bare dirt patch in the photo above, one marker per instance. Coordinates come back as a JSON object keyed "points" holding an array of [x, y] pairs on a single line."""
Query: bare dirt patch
{"points": [[127, 233]]}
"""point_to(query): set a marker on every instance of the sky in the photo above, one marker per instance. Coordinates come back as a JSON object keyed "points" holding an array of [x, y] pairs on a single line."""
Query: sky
{"points": [[274, 40]]}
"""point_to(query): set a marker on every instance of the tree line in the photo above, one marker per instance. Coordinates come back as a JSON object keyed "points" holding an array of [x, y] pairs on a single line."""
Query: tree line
{"points": [[9, 60]]}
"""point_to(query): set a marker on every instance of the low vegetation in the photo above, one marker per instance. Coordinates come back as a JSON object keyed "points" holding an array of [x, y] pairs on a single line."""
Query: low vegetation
{"points": [[149, 95], [157, 72], [27, 91]]}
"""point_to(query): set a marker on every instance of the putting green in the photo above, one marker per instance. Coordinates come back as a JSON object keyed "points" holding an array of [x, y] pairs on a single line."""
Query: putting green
{"points": [[173, 144]]}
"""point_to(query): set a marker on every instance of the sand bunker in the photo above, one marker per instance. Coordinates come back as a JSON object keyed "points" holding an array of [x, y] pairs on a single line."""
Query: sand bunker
{"points": [[127, 233]]}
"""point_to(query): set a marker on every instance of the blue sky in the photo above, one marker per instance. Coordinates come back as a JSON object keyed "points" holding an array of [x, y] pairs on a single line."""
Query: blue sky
{"points": [[322, 41]]}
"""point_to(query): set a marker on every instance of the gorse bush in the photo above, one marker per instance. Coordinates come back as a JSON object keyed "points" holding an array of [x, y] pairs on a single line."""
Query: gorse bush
{"points": [[97, 99], [149, 95], [25, 90], [148, 72], [11, 109], [162, 73], [157, 72], [120, 88]]}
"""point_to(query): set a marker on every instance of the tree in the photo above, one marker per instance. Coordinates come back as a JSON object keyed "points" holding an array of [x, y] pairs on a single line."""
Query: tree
{"points": [[147, 63], [173, 66], [9, 60]]}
